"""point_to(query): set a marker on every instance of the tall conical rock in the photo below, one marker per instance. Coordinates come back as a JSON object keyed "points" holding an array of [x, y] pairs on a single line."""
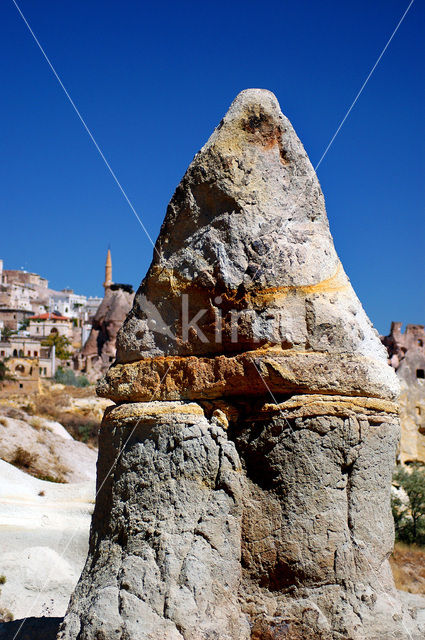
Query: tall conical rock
{"points": [[244, 476], [245, 247]]}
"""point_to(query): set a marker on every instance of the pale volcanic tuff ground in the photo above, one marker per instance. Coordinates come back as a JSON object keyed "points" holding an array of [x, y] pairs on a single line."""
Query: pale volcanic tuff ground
{"points": [[48, 451]]}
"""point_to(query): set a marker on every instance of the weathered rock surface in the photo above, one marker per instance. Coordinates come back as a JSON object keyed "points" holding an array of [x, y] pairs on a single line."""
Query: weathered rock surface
{"points": [[99, 350], [406, 351], [244, 478]]}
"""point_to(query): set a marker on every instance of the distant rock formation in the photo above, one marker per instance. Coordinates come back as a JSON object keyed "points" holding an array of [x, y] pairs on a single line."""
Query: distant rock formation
{"points": [[407, 355], [99, 351], [244, 477]]}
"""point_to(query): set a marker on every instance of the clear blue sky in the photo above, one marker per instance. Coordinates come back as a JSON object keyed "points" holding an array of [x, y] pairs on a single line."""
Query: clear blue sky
{"points": [[153, 79]]}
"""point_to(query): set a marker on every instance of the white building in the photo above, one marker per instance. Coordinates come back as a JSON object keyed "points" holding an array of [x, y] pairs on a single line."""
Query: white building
{"points": [[92, 305], [43, 325], [68, 304]]}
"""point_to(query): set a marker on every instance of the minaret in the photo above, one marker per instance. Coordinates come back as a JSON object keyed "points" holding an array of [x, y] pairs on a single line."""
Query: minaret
{"points": [[108, 270]]}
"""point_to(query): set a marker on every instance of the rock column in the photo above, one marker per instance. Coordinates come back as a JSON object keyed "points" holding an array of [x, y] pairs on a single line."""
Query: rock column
{"points": [[244, 475]]}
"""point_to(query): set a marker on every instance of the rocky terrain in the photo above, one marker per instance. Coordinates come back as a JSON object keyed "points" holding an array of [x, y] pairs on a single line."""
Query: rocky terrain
{"points": [[43, 542], [245, 473], [47, 487]]}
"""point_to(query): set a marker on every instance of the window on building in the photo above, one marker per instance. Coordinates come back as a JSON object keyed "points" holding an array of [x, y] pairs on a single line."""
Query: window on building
{"points": [[420, 374], [45, 371], [2, 353], [21, 386], [420, 343], [37, 330], [15, 352], [36, 354], [29, 353]]}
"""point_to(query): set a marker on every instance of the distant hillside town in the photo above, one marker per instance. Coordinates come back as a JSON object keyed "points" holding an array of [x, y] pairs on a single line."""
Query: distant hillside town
{"points": [[42, 329]]}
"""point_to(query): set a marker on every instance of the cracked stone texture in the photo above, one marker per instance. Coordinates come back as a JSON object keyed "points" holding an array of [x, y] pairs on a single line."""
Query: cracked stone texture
{"points": [[248, 224], [248, 497], [106, 323]]}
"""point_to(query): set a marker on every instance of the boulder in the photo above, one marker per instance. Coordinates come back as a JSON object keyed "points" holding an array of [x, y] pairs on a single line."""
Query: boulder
{"points": [[244, 475]]}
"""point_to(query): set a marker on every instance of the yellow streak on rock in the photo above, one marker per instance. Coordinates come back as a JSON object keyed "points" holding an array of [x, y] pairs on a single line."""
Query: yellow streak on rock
{"points": [[260, 297], [311, 404]]}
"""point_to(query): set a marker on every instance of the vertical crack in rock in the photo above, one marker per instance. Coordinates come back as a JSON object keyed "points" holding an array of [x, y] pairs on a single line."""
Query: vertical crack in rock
{"points": [[251, 498]]}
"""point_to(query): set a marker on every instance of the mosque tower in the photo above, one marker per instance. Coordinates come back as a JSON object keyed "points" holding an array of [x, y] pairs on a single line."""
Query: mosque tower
{"points": [[108, 271]]}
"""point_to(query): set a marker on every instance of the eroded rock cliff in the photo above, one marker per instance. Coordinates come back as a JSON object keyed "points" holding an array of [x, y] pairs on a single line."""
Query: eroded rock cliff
{"points": [[99, 350], [244, 476]]}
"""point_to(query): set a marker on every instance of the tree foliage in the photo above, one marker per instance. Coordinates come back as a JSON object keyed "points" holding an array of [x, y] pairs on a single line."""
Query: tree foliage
{"points": [[7, 333], [68, 377], [3, 371], [61, 344], [409, 514]]}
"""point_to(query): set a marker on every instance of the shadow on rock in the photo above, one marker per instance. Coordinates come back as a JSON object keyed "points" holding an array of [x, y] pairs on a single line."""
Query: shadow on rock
{"points": [[32, 629]]}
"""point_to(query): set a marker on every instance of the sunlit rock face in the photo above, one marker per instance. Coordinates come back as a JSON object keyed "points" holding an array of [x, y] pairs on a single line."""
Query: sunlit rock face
{"points": [[244, 475], [406, 351]]}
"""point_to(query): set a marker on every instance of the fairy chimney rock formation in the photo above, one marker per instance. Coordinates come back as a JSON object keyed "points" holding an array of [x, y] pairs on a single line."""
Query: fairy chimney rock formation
{"points": [[244, 475]]}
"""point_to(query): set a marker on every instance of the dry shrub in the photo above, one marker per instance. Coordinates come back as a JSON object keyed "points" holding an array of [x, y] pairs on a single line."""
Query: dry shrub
{"points": [[47, 478], [81, 428], [56, 404], [23, 458], [37, 423], [13, 412], [5, 615], [51, 405], [408, 567]]}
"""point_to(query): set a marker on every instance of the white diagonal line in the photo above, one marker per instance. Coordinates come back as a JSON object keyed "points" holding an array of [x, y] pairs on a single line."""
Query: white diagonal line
{"points": [[120, 187], [97, 493], [349, 110], [363, 86]]}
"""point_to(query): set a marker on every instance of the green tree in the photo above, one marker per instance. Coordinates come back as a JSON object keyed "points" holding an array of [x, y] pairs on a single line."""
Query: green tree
{"points": [[7, 333], [409, 516], [3, 371], [61, 344], [68, 377]]}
